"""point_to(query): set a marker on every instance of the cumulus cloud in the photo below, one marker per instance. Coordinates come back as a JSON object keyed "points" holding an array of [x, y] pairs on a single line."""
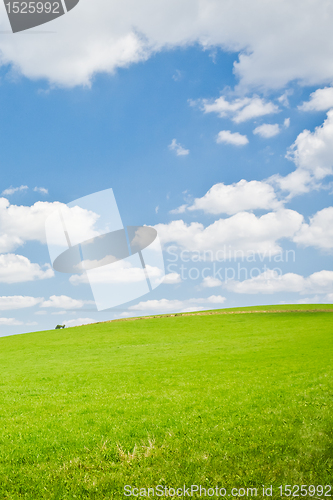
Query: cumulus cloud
{"points": [[118, 273], [166, 305], [78, 322], [270, 282], [244, 231], [41, 190], [19, 224], [238, 197], [121, 33], [312, 153], [234, 138], [12, 190], [211, 282], [319, 232], [320, 100], [18, 302], [10, 322], [179, 150], [267, 130], [240, 110], [19, 269], [179, 210], [64, 302], [172, 279]]}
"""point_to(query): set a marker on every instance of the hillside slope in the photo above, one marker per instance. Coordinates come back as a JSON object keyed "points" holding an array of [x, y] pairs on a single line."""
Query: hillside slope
{"points": [[226, 400]]}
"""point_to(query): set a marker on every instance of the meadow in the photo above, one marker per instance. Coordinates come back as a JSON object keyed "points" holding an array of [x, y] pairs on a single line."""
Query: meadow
{"points": [[227, 400]]}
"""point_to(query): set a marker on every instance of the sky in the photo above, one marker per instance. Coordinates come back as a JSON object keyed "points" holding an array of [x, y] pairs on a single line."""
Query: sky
{"points": [[211, 121]]}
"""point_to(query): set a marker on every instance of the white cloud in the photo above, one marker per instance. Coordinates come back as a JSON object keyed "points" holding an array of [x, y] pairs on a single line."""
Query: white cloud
{"points": [[64, 302], [283, 99], [18, 302], [244, 231], [329, 298], [19, 269], [233, 198], [286, 123], [271, 282], [320, 100], [210, 282], [121, 33], [19, 224], [78, 322], [319, 232], [267, 130], [166, 305], [234, 138], [10, 322], [179, 210], [180, 151], [41, 190], [11, 190], [172, 279], [240, 110], [120, 272], [312, 153]]}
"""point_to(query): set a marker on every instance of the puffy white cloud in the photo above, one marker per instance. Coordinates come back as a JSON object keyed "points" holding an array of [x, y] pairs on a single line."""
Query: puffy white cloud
{"points": [[123, 32], [272, 282], [319, 232], [284, 98], [211, 282], [286, 123], [179, 210], [19, 224], [179, 150], [41, 190], [244, 231], [174, 305], [78, 322], [233, 198], [240, 110], [234, 138], [120, 272], [267, 130], [19, 269], [329, 298], [172, 279], [10, 322], [312, 153], [64, 302], [12, 190], [320, 100], [18, 302]]}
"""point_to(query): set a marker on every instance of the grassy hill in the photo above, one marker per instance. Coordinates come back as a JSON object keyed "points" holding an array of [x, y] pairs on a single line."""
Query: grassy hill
{"points": [[228, 400]]}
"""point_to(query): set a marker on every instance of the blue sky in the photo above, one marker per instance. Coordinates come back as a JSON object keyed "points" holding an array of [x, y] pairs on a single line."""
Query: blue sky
{"points": [[73, 124]]}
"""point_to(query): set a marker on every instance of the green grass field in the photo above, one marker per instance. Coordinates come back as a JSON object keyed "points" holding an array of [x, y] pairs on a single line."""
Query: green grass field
{"points": [[235, 400]]}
